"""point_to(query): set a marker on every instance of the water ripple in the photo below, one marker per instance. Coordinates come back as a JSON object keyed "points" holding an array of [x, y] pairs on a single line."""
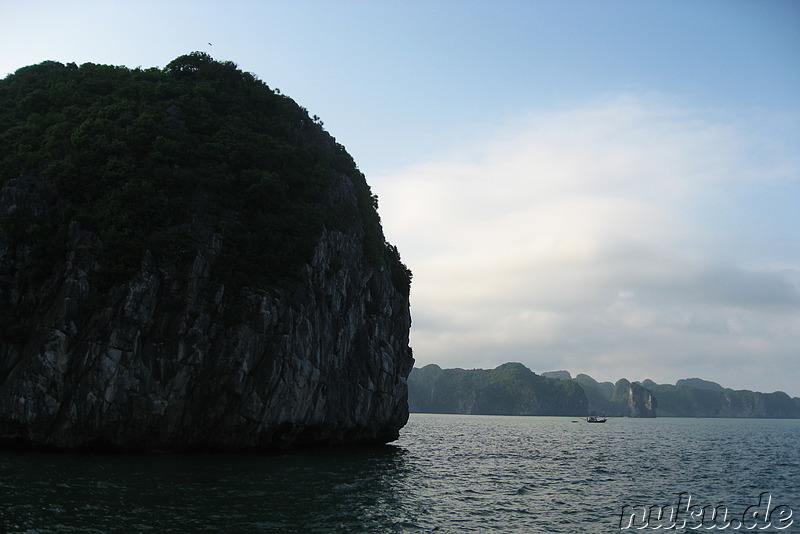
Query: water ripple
{"points": [[446, 474]]}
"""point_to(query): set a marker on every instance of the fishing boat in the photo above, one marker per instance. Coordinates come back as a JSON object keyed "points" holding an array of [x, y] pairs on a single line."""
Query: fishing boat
{"points": [[595, 419]]}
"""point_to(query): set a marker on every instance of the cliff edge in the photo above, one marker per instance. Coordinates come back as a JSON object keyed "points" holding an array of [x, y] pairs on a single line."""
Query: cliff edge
{"points": [[188, 261]]}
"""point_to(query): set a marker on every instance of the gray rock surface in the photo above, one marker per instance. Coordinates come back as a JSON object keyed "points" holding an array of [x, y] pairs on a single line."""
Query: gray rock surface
{"points": [[172, 360], [641, 403]]}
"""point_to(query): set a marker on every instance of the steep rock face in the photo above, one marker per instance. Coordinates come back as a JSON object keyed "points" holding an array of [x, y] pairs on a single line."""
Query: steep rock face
{"points": [[623, 399], [171, 361], [599, 396], [641, 403], [510, 389], [635, 399], [682, 401], [112, 337]]}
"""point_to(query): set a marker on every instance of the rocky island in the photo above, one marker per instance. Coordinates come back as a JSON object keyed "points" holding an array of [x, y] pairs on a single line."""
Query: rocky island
{"points": [[189, 261], [510, 389], [513, 389]]}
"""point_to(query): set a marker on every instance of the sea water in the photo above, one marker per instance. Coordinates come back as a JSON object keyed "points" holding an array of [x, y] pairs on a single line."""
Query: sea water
{"points": [[446, 474]]}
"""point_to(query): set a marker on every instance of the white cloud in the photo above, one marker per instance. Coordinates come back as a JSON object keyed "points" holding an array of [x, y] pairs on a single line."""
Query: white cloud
{"points": [[577, 240]]}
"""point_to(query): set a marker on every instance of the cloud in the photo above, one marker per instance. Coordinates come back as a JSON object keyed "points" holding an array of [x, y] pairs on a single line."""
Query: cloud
{"points": [[582, 239]]}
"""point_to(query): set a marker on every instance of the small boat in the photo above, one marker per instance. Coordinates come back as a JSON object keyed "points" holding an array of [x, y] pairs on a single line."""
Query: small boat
{"points": [[595, 419]]}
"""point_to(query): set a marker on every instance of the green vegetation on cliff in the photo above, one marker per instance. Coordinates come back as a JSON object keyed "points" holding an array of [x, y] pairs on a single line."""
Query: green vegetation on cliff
{"points": [[134, 154], [511, 389], [607, 398], [700, 400], [188, 261]]}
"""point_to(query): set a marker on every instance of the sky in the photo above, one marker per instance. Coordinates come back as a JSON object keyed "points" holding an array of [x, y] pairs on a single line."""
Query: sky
{"points": [[609, 188]]}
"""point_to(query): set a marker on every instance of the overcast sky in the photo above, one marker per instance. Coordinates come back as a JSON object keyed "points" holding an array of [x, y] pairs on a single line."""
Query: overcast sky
{"points": [[609, 188]]}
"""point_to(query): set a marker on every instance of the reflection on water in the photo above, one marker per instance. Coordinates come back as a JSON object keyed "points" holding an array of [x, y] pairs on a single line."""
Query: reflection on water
{"points": [[446, 474], [309, 492]]}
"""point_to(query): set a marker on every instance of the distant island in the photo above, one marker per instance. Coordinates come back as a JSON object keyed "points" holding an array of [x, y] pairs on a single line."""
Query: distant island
{"points": [[513, 389]]}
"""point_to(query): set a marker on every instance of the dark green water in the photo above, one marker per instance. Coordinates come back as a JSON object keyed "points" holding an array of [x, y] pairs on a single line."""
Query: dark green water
{"points": [[446, 474]]}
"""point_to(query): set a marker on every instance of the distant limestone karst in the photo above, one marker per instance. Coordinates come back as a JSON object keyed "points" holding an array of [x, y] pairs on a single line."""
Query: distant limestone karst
{"points": [[513, 389], [704, 401], [510, 389]]}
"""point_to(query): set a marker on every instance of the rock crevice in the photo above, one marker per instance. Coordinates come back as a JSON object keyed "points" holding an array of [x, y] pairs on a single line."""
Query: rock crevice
{"points": [[174, 360]]}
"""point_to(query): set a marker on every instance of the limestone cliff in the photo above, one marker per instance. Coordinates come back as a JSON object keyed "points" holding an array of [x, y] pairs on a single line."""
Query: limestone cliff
{"points": [[510, 389], [693, 398], [184, 345], [641, 403], [633, 399], [622, 399]]}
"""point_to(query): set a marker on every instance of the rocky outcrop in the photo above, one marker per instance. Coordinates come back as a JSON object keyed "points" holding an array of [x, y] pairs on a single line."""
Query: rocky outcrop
{"points": [[513, 389], [557, 375], [641, 403], [690, 401], [599, 395], [510, 389], [631, 399], [698, 383], [622, 399], [189, 261], [173, 359]]}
